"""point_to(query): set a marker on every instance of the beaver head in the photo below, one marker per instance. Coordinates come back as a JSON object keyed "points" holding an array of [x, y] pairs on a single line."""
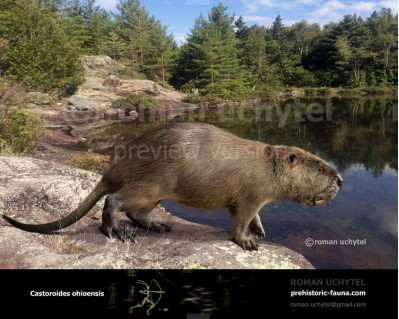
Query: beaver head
{"points": [[308, 179]]}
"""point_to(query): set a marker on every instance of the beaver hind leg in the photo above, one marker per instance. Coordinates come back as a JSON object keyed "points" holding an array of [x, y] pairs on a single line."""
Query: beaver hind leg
{"points": [[140, 218], [256, 227], [110, 223]]}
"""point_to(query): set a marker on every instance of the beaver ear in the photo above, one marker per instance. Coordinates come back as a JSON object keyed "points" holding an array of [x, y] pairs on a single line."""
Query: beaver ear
{"points": [[268, 152], [292, 158]]}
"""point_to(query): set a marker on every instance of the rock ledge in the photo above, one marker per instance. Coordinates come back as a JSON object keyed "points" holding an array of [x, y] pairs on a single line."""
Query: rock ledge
{"points": [[37, 191]]}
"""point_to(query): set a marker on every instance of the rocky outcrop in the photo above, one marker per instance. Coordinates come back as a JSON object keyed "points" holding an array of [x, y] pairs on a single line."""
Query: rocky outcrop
{"points": [[113, 81], [36, 191], [100, 65], [78, 102]]}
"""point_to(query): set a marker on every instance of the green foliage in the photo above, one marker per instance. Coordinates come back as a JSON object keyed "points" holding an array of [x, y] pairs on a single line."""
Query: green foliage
{"points": [[41, 44], [88, 25], [196, 98], [20, 132], [134, 101], [356, 52], [165, 84], [148, 46], [193, 99], [38, 51], [209, 61], [352, 53], [96, 163], [113, 45]]}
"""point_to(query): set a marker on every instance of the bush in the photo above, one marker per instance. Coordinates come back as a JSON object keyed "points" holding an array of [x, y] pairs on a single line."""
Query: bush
{"points": [[193, 98], [12, 93], [187, 87], [20, 132], [267, 94], [134, 101], [40, 53], [96, 163], [166, 85]]}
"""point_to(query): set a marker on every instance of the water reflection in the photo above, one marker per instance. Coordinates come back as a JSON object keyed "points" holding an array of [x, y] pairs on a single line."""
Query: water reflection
{"points": [[358, 131], [360, 141], [356, 135]]}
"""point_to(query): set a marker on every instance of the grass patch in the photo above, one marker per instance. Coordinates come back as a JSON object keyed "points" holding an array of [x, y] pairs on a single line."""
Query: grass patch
{"points": [[96, 163], [165, 85], [58, 244]]}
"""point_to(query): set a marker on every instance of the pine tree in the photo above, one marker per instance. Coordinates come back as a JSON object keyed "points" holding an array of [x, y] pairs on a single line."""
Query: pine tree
{"points": [[134, 23], [113, 45], [39, 52], [277, 29], [211, 55], [163, 52], [88, 24]]}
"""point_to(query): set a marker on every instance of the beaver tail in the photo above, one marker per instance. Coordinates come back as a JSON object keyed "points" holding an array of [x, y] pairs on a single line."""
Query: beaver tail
{"points": [[91, 199]]}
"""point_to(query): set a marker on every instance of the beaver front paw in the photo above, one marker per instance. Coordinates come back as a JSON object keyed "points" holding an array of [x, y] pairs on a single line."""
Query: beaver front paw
{"points": [[248, 242]]}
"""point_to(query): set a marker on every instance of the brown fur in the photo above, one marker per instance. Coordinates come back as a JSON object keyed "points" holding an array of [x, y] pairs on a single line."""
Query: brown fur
{"points": [[202, 166]]}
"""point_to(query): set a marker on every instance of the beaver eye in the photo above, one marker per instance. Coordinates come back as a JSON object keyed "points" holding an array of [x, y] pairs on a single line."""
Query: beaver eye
{"points": [[320, 170]]}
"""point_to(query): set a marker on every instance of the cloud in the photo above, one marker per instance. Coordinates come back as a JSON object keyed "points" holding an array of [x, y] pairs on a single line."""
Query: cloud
{"points": [[254, 5], [180, 38], [261, 20], [267, 21], [107, 4], [314, 11], [393, 4], [334, 10], [321, 8]]}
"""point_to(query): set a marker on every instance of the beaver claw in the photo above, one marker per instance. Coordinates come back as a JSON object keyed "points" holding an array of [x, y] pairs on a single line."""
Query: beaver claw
{"points": [[124, 234], [249, 243], [258, 231], [160, 228]]}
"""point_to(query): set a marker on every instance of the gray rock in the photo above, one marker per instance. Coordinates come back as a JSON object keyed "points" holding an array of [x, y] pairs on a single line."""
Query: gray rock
{"points": [[39, 95], [36, 191], [100, 65], [94, 83], [78, 102], [98, 61], [113, 81], [148, 87]]}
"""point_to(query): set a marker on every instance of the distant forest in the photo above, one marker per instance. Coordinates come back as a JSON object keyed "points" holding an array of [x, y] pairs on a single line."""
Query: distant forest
{"points": [[42, 42]]}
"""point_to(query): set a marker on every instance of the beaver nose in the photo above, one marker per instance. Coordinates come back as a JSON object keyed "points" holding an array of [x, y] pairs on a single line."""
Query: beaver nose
{"points": [[340, 181]]}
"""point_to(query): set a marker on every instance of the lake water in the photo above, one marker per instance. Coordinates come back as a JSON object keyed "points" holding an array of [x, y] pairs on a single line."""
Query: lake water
{"points": [[355, 135]]}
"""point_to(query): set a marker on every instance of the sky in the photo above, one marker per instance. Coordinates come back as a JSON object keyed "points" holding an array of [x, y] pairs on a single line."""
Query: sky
{"points": [[179, 15]]}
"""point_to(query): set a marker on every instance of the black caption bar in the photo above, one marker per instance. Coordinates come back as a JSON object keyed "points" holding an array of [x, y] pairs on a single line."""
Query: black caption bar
{"points": [[198, 294]]}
